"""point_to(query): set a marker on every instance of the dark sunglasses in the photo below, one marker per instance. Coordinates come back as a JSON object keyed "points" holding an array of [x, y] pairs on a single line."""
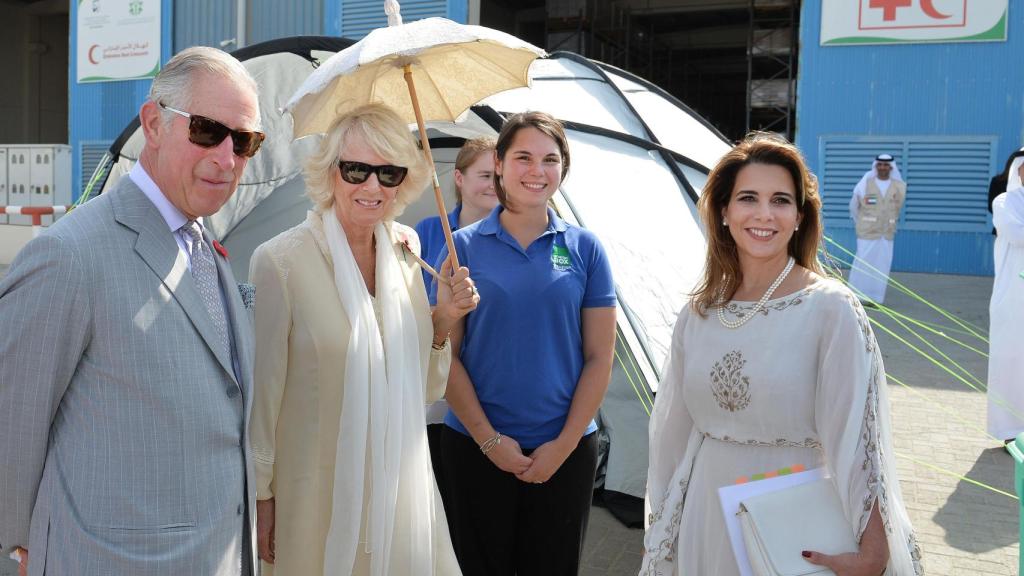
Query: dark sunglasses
{"points": [[357, 172], [207, 133]]}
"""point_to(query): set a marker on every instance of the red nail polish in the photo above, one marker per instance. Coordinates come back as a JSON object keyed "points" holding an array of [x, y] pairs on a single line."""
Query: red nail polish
{"points": [[805, 554]]}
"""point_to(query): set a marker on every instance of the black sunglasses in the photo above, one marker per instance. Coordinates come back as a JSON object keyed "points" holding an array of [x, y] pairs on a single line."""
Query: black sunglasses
{"points": [[357, 172], [207, 133]]}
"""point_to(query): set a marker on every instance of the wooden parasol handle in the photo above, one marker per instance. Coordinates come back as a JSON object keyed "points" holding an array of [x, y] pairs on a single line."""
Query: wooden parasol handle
{"points": [[433, 171]]}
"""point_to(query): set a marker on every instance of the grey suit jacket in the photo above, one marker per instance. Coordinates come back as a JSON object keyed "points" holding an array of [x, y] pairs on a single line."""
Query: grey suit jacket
{"points": [[123, 430]]}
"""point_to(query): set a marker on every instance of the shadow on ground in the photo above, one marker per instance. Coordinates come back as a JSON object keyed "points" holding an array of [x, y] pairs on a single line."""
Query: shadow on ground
{"points": [[978, 520]]}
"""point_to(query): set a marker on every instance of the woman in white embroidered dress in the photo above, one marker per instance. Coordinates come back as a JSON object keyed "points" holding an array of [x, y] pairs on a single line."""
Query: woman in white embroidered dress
{"points": [[771, 366], [345, 366]]}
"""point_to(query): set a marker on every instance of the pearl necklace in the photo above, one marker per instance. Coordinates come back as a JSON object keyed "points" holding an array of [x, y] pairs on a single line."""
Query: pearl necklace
{"points": [[760, 303]]}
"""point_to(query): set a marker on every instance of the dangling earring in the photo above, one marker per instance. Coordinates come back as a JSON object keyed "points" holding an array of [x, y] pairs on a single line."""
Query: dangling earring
{"points": [[797, 228], [724, 223]]}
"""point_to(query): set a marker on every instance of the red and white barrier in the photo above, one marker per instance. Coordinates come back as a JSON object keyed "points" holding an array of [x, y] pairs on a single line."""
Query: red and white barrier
{"points": [[36, 212]]}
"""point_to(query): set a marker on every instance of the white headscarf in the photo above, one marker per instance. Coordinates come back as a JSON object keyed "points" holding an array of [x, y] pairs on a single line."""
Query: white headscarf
{"points": [[873, 173], [1013, 178], [383, 413], [861, 188]]}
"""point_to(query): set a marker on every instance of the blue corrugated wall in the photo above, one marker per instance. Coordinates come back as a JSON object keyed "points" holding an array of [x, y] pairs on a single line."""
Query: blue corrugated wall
{"points": [[204, 23], [271, 19], [359, 17], [961, 89]]}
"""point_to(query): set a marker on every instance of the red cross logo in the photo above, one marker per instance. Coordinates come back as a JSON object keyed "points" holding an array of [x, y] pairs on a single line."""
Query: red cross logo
{"points": [[889, 7]]}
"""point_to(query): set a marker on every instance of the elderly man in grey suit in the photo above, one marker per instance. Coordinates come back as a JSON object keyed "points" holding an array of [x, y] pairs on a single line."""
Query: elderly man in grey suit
{"points": [[126, 355]]}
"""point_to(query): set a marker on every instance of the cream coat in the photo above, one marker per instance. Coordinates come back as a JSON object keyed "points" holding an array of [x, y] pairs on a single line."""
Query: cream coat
{"points": [[301, 341]]}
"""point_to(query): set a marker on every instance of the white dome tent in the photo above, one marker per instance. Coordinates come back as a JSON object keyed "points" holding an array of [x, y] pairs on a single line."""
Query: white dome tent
{"points": [[639, 161]]}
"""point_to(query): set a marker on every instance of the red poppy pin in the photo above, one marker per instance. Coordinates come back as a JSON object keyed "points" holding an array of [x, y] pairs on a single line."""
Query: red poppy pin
{"points": [[408, 248], [220, 249]]}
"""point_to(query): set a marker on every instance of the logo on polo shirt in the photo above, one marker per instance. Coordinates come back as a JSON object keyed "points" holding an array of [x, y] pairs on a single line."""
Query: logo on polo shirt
{"points": [[560, 257]]}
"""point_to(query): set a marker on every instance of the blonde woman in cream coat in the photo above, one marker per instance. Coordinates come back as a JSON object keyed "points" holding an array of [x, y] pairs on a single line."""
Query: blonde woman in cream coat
{"points": [[348, 353]]}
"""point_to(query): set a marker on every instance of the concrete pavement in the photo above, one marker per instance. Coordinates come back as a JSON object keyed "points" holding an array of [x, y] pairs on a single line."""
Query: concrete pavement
{"points": [[939, 421]]}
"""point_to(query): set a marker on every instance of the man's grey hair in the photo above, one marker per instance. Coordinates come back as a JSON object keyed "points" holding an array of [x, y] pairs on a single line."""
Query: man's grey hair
{"points": [[173, 84]]}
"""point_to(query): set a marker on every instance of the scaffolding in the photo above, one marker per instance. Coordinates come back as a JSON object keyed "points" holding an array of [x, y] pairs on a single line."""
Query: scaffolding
{"points": [[771, 66], [609, 31]]}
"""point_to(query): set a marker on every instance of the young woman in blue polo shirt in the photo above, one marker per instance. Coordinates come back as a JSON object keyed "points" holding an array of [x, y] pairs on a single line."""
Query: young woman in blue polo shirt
{"points": [[520, 449]]}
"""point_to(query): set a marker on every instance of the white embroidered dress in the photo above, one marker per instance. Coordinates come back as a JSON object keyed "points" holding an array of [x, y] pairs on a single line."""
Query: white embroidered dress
{"points": [[801, 383]]}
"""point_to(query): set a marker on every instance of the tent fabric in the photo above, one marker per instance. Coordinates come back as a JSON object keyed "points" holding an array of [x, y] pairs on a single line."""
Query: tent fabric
{"points": [[639, 162]]}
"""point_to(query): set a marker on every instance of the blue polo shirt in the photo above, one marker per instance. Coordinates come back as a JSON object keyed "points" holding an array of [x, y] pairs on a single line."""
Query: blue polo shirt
{"points": [[432, 239], [523, 346]]}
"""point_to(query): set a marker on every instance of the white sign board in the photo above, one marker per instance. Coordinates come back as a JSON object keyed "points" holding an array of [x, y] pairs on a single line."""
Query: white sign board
{"points": [[118, 39], [858, 22]]}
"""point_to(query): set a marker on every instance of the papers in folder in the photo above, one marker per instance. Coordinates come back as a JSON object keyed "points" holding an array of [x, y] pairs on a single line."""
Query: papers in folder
{"points": [[731, 496]]}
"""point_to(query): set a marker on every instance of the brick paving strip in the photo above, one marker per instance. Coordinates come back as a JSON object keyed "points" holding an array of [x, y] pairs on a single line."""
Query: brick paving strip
{"points": [[963, 529]]}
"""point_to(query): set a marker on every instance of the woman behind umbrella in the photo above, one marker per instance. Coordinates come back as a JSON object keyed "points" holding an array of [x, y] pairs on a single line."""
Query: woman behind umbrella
{"points": [[771, 365], [474, 199], [348, 353], [520, 449]]}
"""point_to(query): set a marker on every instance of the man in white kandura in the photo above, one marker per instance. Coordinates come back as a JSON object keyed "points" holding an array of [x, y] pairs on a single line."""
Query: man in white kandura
{"points": [[1006, 311], [875, 208]]}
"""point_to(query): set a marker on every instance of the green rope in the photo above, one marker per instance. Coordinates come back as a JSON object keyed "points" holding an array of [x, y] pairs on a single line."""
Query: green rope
{"points": [[632, 382], [937, 351], [955, 475], [929, 327], [92, 181], [639, 374], [908, 291], [946, 328], [992, 397], [891, 312], [969, 329], [953, 413]]}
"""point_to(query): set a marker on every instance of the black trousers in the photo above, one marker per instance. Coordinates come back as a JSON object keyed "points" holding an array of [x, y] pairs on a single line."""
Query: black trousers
{"points": [[501, 526]]}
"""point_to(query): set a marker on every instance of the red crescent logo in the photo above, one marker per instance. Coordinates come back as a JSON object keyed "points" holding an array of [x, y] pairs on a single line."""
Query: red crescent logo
{"points": [[928, 8], [91, 50]]}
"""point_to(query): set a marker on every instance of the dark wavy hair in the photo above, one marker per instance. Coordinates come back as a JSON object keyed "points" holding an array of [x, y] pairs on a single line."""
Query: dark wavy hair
{"points": [[722, 273]]}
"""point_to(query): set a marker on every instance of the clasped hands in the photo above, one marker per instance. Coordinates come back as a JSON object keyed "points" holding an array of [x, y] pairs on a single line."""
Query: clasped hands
{"points": [[536, 468]]}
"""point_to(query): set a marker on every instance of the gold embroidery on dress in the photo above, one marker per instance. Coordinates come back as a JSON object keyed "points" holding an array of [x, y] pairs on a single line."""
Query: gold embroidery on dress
{"points": [[729, 385]]}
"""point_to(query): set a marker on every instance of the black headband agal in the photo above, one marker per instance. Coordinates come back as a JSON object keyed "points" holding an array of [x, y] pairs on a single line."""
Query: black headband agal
{"points": [[884, 158]]}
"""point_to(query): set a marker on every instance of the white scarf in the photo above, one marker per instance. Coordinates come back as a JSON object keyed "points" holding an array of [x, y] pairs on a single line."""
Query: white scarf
{"points": [[383, 410], [1013, 180], [862, 185]]}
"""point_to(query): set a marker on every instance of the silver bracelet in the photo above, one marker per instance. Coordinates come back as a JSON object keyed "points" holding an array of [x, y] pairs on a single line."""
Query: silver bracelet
{"points": [[490, 444]]}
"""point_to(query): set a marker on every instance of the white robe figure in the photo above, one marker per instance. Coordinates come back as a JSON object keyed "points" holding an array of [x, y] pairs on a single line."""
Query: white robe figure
{"points": [[869, 275], [1006, 313], [801, 383]]}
